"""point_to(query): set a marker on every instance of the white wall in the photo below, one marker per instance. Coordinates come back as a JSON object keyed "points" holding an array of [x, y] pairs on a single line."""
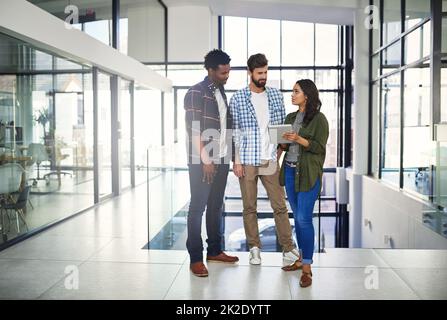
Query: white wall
{"points": [[359, 125], [192, 32], [146, 33], [393, 213]]}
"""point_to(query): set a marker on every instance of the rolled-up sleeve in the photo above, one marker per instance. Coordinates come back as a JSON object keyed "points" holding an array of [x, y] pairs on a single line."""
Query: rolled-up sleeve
{"points": [[318, 143], [236, 125]]}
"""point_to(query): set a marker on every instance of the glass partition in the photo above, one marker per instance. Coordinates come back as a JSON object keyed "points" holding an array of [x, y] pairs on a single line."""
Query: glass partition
{"points": [[125, 135], [104, 138], [390, 95], [404, 150], [147, 108], [95, 16], [46, 128]]}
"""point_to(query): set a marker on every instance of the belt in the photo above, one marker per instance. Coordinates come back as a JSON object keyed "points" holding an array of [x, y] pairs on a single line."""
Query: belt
{"points": [[291, 164]]}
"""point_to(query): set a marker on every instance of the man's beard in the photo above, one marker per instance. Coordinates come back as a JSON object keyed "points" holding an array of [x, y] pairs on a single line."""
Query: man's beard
{"points": [[258, 84]]}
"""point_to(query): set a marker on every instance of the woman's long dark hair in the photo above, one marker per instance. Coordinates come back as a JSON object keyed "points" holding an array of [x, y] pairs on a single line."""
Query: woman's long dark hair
{"points": [[313, 103]]}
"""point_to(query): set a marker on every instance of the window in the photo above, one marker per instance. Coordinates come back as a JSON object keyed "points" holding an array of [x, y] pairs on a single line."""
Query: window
{"points": [[376, 31], [391, 58], [391, 20], [104, 130], [236, 47], [264, 37], [418, 147], [402, 143], [326, 37], [125, 138], [96, 14], [290, 77], [297, 43], [390, 95], [147, 106], [417, 44], [375, 129], [238, 79], [326, 79], [329, 106], [416, 11]]}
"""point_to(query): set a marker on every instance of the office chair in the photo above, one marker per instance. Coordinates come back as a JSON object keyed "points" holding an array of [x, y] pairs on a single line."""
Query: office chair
{"points": [[38, 154], [19, 206], [58, 157], [10, 179]]}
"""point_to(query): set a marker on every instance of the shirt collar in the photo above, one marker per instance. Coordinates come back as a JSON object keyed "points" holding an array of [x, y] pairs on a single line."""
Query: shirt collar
{"points": [[210, 84], [248, 91]]}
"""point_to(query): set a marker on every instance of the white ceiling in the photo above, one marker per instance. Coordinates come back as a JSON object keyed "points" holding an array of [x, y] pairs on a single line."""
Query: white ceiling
{"points": [[319, 11]]}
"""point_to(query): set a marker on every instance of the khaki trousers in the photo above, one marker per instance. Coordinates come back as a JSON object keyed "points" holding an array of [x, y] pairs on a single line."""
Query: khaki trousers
{"points": [[269, 175]]}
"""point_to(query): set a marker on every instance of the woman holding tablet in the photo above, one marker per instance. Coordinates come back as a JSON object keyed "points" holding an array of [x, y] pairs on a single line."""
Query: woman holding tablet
{"points": [[302, 169]]}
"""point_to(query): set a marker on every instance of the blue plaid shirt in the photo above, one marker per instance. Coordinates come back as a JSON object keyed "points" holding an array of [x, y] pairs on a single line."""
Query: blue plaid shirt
{"points": [[246, 132]]}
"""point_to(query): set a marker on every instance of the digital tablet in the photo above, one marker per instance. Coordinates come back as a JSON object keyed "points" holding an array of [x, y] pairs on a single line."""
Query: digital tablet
{"points": [[276, 132]]}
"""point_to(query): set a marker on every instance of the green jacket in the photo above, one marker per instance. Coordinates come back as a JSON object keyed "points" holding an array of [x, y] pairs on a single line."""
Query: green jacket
{"points": [[310, 166]]}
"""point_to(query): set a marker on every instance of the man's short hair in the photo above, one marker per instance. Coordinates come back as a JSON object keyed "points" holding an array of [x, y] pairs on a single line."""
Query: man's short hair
{"points": [[216, 57], [256, 61]]}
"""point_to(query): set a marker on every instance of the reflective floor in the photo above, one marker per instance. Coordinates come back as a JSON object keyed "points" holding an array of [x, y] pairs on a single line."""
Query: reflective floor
{"points": [[99, 255]]}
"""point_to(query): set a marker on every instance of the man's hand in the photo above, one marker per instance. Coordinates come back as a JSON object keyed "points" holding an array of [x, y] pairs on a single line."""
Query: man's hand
{"points": [[278, 154], [238, 170], [209, 171]]}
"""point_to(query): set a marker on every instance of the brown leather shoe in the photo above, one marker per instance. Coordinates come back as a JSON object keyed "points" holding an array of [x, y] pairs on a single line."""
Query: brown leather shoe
{"points": [[306, 279], [294, 266], [199, 269], [222, 258]]}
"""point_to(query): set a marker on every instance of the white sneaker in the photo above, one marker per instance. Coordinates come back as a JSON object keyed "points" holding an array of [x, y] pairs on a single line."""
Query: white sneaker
{"points": [[255, 256], [292, 255]]}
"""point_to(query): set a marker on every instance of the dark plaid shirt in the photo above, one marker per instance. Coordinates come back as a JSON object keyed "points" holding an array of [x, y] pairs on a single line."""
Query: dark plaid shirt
{"points": [[201, 108]]}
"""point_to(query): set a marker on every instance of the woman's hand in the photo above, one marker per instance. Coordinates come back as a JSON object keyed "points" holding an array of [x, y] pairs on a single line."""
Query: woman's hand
{"points": [[294, 137], [291, 136]]}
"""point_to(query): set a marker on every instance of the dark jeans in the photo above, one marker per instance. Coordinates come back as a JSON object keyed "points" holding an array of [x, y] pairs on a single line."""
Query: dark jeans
{"points": [[209, 196]]}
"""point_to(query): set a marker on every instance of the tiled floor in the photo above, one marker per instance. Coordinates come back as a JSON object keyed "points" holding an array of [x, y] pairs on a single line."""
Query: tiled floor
{"points": [[99, 255]]}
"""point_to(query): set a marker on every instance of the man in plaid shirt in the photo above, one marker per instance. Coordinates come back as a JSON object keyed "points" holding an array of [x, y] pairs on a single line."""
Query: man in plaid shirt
{"points": [[208, 126], [254, 108]]}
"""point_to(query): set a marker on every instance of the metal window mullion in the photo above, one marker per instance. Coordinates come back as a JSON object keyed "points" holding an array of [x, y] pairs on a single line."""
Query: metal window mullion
{"points": [[402, 92], [435, 66], [95, 134], [115, 135], [132, 133]]}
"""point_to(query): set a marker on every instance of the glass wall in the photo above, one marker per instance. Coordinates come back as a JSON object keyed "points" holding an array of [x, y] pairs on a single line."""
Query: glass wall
{"points": [[147, 110], [308, 47], [404, 148], [295, 50], [95, 16], [104, 135], [125, 133], [46, 134]]}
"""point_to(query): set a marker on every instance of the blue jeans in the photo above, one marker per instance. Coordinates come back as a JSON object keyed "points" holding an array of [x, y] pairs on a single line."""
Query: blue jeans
{"points": [[209, 196], [302, 204]]}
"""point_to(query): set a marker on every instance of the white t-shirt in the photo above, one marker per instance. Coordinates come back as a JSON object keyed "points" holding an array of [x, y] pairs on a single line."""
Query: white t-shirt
{"points": [[223, 123], [260, 103]]}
